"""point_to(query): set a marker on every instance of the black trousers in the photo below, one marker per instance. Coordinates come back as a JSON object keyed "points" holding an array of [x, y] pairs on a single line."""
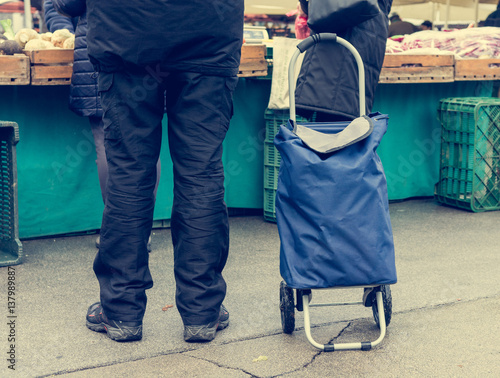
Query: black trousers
{"points": [[199, 108]]}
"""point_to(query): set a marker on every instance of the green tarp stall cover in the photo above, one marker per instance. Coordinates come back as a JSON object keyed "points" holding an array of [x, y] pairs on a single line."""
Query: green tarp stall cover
{"points": [[57, 176]]}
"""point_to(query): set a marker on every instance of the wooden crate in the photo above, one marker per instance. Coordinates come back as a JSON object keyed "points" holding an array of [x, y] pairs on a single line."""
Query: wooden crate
{"points": [[14, 69], [400, 68], [477, 69], [51, 67], [253, 61]]}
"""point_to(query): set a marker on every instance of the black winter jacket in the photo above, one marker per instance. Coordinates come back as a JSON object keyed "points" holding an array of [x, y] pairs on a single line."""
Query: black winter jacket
{"points": [[84, 98], [185, 35], [494, 18], [55, 21], [328, 80]]}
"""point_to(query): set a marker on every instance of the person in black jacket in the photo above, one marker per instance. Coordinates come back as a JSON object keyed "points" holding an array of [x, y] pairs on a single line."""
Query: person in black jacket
{"points": [[426, 25], [328, 80], [493, 18], [84, 97], [189, 50], [56, 21], [400, 27]]}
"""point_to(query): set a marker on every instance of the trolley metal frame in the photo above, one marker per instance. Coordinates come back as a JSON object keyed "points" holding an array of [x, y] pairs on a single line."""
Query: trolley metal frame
{"points": [[364, 345], [382, 292]]}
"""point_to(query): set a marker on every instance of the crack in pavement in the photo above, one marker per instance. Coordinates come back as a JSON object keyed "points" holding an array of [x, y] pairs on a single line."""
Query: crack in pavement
{"points": [[274, 333], [319, 353], [223, 366], [305, 366], [340, 333]]}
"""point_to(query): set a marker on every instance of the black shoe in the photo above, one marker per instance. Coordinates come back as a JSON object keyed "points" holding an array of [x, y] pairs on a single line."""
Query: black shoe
{"points": [[207, 332], [98, 242], [116, 330]]}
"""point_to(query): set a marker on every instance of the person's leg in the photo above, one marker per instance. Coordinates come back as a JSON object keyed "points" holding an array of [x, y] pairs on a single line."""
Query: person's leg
{"points": [[97, 127], [132, 131], [199, 109], [158, 172]]}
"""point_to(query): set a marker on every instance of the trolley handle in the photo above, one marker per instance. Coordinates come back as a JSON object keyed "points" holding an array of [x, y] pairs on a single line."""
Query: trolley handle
{"points": [[311, 41]]}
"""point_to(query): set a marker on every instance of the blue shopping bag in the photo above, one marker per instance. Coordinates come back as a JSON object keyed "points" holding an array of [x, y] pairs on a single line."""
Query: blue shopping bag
{"points": [[332, 206]]}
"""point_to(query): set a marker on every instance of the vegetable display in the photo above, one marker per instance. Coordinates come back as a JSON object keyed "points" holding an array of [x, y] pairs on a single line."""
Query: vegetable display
{"points": [[24, 35], [473, 43], [7, 28], [28, 39], [9, 47]]}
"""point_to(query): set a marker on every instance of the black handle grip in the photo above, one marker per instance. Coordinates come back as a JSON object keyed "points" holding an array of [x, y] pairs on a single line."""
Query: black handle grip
{"points": [[314, 39]]}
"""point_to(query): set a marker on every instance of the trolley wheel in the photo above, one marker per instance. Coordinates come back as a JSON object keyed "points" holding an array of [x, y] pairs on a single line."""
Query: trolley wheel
{"points": [[287, 308], [387, 299]]}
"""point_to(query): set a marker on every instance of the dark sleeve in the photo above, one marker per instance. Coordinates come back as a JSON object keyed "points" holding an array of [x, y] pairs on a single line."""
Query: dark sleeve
{"points": [[385, 6], [492, 19], [71, 8], [54, 20], [38, 4], [305, 6]]}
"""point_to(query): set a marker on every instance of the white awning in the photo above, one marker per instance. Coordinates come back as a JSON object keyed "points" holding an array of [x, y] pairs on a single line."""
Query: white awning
{"points": [[440, 10]]}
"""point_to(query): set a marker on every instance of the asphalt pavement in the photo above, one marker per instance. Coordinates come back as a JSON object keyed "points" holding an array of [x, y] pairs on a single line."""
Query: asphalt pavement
{"points": [[445, 316]]}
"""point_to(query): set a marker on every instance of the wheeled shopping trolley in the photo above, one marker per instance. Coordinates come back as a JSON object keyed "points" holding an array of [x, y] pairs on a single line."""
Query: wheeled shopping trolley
{"points": [[332, 211]]}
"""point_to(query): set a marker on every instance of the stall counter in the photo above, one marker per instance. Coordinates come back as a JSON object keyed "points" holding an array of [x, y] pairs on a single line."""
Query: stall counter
{"points": [[58, 187]]}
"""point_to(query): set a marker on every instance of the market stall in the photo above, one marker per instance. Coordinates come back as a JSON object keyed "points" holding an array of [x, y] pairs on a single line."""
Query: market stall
{"points": [[57, 177], [444, 10]]}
